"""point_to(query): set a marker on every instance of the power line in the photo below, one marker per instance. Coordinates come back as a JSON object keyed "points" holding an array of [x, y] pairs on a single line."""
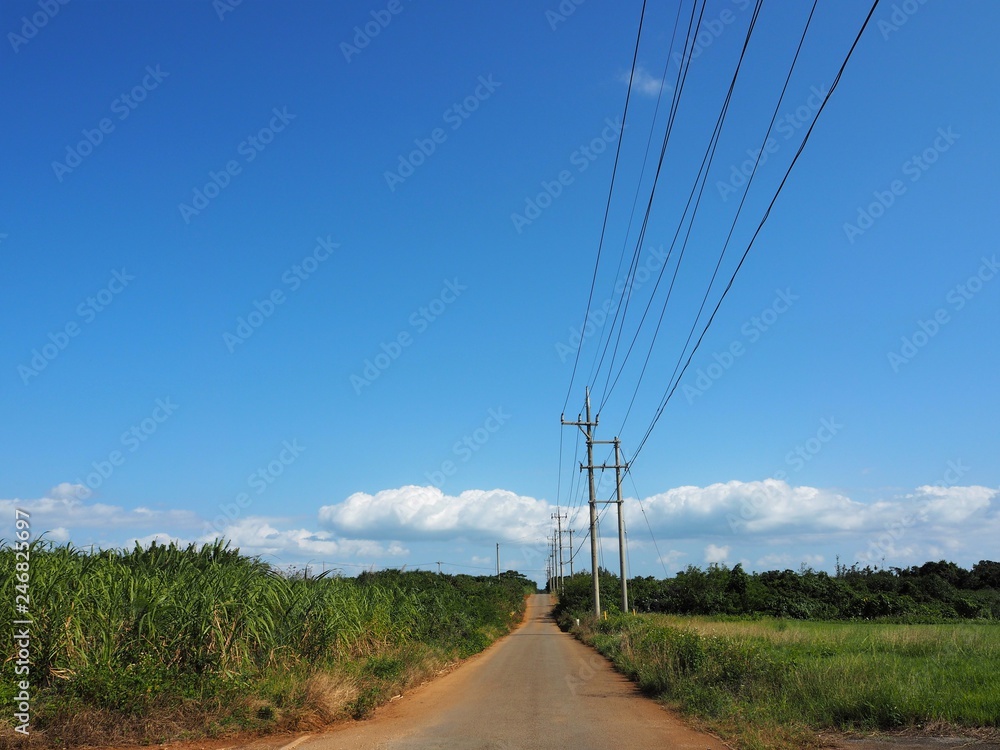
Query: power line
{"points": [[682, 74], [638, 186], [698, 189], [702, 177], [672, 389], [732, 228], [607, 208]]}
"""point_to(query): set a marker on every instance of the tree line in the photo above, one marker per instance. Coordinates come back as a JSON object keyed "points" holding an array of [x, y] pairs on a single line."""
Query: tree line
{"points": [[933, 591]]}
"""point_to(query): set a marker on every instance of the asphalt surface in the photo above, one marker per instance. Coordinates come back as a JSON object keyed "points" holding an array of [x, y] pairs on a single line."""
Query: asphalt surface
{"points": [[536, 689]]}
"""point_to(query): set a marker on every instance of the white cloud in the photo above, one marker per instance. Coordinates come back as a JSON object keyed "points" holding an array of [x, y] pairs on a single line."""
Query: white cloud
{"points": [[63, 515], [65, 508], [427, 513], [59, 535], [257, 536], [775, 507], [643, 82], [716, 554], [952, 504], [768, 521], [671, 557]]}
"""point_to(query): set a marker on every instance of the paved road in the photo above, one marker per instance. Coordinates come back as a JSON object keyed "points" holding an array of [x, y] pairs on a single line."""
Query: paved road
{"points": [[536, 689]]}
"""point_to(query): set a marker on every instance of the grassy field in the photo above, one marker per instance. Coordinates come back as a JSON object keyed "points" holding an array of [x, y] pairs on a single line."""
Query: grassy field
{"points": [[166, 643], [775, 683]]}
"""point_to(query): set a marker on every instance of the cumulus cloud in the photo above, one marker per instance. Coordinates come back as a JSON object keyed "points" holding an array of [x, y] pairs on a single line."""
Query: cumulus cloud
{"points": [[65, 507], [716, 554], [951, 505], [770, 522], [65, 515], [257, 535], [772, 506], [413, 512]]}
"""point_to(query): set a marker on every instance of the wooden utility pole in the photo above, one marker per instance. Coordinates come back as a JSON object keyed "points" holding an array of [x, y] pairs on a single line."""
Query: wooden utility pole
{"points": [[587, 429]]}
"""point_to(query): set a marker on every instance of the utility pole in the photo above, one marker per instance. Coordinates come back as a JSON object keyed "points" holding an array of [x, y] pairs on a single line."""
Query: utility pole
{"points": [[621, 525], [571, 553], [552, 556], [498, 559], [439, 568], [586, 428], [618, 466], [559, 517]]}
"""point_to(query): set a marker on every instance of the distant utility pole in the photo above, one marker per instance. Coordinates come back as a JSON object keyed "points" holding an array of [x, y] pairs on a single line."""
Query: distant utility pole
{"points": [[498, 559], [618, 466], [559, 517], [571, 553], [439, 568], [586, 427], [552, 557]]}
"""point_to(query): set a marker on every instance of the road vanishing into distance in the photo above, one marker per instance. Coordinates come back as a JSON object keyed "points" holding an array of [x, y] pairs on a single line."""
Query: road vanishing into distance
{"points": [[536, 689]]}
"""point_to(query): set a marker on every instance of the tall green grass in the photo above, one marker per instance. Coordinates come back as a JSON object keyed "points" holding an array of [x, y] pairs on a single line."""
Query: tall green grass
{"points": [[773, 683], [210, 640]]}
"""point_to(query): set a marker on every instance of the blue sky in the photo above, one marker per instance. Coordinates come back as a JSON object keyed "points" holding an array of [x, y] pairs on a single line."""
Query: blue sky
{"points": [[278, 271]]}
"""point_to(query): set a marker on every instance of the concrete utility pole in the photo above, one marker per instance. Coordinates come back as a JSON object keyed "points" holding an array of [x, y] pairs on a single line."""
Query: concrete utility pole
{"points": [[571, 553], [498, 559], [559, 517], [618, 466], [586, 428], [621, 525]]}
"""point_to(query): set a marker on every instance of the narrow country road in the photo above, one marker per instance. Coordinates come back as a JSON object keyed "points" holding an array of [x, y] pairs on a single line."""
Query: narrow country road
{"points": [[537, 689]]}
